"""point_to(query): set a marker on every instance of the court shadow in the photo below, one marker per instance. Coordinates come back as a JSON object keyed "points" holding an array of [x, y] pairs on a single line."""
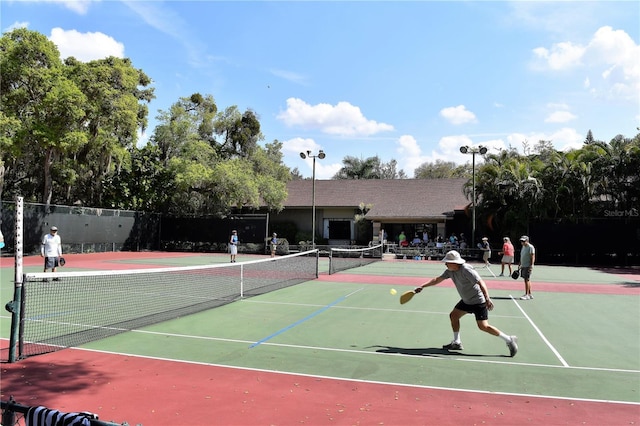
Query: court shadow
{"points": [[433, 352], [501, 298]]}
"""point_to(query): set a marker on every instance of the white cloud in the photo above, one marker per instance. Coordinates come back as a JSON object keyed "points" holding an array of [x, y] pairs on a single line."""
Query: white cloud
{"points": [[610, 59], [561, 55], [559, 117], [85, 46], [458, 115], [15, 26], [79, 6], [325, 169], [408, 146], [298, 145], [559, 113], [620, 55], [450, 148], [450, 145], [562, 140], [412, 156], [342, 119]]}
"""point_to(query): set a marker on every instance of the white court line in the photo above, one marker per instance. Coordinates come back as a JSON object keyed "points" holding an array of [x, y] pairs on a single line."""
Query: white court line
{"points": [[557, 354], [378, 382], [357, 351]]}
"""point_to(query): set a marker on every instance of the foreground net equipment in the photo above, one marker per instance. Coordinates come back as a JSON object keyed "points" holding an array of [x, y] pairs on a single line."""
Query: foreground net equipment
{"points": [[13, 414], [67, 309], [341, 259]]}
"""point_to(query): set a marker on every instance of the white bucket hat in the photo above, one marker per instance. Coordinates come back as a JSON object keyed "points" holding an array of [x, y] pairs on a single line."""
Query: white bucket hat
{"points": [[453, 257]]}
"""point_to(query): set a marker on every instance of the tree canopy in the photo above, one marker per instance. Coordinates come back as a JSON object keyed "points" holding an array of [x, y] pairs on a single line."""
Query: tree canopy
{"points": [[69, 135], [67, 126], [442, 170], [369, 168], [513, 190]]}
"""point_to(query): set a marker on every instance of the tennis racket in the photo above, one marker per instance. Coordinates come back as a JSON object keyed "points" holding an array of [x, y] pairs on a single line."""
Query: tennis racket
{"points": [[408, 295], [62, 261]]}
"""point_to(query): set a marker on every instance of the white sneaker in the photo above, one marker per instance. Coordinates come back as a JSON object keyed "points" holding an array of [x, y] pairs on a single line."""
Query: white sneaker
{"points": [[526, 297]]}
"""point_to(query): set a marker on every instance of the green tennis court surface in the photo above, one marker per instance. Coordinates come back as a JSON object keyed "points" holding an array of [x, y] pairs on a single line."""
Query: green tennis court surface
{"points": [[573, 344]]}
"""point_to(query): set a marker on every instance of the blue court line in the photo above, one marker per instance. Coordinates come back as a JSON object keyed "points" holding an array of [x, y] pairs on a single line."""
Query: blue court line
{"points": [[308, 317]]}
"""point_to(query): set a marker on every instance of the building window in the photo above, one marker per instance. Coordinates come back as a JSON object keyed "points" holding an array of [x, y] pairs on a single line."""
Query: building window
{"points": [[340, 229]]}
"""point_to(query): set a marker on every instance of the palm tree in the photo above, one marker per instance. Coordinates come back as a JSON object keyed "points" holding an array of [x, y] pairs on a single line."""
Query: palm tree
{"points": [[356, 168], [510, 195]]}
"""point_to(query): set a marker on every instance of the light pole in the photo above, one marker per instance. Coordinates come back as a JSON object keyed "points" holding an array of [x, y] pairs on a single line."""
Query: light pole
{"points": [[320, 155], [473, 151]]}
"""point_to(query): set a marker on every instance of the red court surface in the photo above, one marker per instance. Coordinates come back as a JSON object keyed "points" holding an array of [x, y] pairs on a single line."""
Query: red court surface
{"points": [[161, 392]]}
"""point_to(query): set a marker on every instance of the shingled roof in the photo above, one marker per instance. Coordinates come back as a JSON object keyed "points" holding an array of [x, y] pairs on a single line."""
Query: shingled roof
{"points": [[391, 198]]}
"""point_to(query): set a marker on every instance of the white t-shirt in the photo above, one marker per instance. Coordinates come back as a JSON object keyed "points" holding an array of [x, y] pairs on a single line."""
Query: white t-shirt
{"points": [[51, 246]]}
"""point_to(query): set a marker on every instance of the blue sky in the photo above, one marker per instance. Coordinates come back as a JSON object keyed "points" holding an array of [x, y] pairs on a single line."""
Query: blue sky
{"points": [[410, 81]]}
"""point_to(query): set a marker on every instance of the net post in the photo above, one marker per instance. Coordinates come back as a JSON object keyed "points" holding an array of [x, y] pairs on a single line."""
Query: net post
{"points": [[15, 306], [8, 413], [241, 281]]}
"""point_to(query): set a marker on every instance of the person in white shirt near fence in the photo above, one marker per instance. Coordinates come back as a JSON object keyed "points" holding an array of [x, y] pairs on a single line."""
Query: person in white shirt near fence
{"points": [[51, 249]]}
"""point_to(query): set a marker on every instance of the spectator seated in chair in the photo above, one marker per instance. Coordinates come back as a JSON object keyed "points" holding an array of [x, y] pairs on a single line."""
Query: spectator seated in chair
{"points": [[402, 240]]}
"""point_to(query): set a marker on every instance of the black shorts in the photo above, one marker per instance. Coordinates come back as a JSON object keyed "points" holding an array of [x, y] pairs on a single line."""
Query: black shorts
{"points": [[480, 310]]}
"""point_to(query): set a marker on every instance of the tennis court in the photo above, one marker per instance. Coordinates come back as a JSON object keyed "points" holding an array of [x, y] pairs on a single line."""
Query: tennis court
{"points": [[340, 349]]}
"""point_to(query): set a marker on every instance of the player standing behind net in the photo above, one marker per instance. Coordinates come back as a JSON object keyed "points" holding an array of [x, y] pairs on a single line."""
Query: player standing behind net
{"points": [[233, 245], [51, 249], [274, 244], [527, 259], [475, 299]]}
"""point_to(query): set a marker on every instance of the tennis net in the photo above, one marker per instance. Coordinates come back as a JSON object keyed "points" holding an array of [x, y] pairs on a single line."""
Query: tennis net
{"points": [[341, 259], [67, 309]]}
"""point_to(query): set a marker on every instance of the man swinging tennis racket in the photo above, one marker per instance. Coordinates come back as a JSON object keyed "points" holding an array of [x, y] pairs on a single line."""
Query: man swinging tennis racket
{"points": [[475, 299]]}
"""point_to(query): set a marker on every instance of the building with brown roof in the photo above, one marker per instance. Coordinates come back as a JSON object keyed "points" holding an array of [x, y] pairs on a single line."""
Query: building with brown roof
{"points": [[437, 206]]}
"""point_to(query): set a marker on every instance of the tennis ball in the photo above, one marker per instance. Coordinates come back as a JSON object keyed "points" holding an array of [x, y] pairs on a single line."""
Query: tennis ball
{"points": [[393, 291]]}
